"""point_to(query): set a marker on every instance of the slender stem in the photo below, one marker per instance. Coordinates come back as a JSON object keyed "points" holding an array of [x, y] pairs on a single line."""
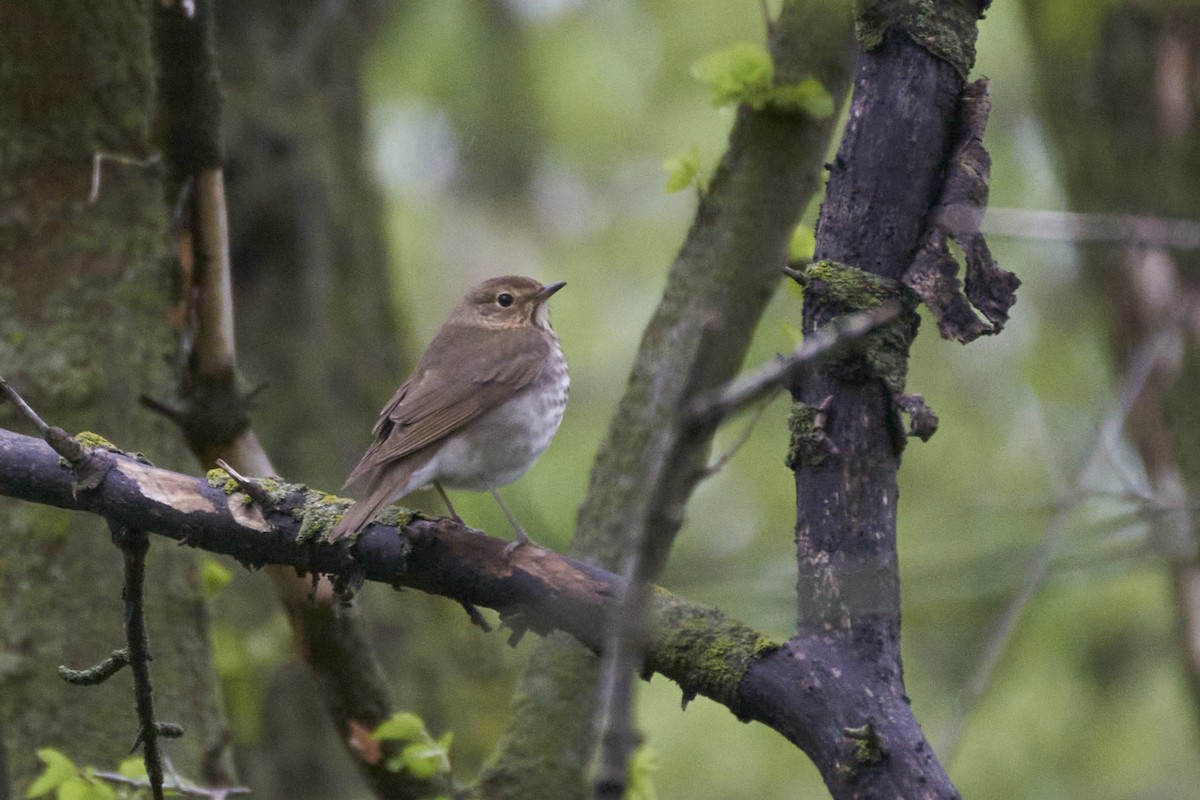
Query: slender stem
{"points": [[134, 544], [23, 407]]}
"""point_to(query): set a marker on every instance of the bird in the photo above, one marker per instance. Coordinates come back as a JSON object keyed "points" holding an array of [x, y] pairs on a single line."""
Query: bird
{"points": [[481, 406]]}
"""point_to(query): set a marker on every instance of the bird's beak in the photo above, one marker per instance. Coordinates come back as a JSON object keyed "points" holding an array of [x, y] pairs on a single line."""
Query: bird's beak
{"points": [[549, 290]]}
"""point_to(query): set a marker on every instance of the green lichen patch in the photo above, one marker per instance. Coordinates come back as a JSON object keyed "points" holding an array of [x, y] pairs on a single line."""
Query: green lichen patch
{"points": [[276, 490], [808, 445], [700, 648], [90, 439], [398, 516], [320, 512], [868, 749], [882, 353], [848, 288], [946, 30], [220, 479]]}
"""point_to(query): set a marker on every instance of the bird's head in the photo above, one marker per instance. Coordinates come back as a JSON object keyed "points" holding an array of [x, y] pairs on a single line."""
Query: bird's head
{"points": [[508, 302]]}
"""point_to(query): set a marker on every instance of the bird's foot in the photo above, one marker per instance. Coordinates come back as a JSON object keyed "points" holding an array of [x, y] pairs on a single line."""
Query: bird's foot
{"points": [[522, 539]]}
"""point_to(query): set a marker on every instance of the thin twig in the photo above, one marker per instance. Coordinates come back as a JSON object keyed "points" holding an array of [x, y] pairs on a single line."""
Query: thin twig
{"points": [[62, 442], [1067, 226], [626, 635], [23, 407], [134, 544], [99, 158], [724, 459], [176, 785], [98, 673], [255, 492], [713, 407]]}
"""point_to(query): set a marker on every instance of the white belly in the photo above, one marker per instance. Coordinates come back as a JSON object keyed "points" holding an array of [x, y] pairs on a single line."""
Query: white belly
{"points": [[498, 447]]}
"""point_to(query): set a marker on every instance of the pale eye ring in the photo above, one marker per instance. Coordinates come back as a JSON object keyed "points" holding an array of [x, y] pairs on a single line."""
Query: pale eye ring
{"points": [[504, 299]]}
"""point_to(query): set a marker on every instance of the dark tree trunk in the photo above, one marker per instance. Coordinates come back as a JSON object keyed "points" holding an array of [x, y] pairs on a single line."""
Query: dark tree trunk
{"points": [[86, 326]]}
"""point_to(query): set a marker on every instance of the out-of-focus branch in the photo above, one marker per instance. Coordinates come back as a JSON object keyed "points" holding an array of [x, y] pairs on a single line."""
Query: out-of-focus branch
{"points": [[1140, 117], [213, 409], [713, 407], [1072, 226], [1041, 561]]}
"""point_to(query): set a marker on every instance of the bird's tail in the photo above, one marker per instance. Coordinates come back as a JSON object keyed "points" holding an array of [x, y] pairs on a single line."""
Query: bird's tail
{"points": [[390, 483]]}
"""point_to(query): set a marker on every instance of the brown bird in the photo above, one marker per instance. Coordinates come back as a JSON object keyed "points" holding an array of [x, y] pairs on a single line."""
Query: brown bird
{"points": [[483, 403]]}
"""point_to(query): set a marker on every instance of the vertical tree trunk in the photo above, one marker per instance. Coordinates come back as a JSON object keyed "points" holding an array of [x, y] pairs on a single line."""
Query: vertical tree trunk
{"points": [[318, 326], [85, 327]]}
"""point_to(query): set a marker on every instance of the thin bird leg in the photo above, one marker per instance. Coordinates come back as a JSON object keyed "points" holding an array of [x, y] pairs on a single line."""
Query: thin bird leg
{"points": [[449, 505], [522, 536]]}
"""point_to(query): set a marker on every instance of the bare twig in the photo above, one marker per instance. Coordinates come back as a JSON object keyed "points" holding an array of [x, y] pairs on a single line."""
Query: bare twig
{"points": [[625, 641], [96, 674], [176, 784], [62, 442], [99, 158], [134, 544], [214, 350], [723, 460], [255, 492], [1067, 226], [713, 407], [23, 407]]}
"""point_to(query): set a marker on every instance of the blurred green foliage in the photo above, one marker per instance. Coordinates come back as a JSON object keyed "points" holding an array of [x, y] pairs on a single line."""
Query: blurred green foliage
{"points": [[582, 102]]}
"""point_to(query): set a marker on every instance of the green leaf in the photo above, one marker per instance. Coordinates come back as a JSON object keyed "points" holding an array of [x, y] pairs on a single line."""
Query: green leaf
{"points": [[801, 245], [99, 789], [741, 72], [424, 760], [134, 768], [79, 789], [213, 577], [402, 726], [59, 769], [681, 171], [642, 767], [809, 96], [744, 73]]}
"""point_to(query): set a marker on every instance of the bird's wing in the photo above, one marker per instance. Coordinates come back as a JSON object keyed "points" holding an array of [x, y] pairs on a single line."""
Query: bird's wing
{"points": [[441, 398]]}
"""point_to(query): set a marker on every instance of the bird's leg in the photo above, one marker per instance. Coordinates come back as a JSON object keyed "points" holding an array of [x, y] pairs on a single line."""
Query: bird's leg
{"points": [[449, 505], [522, 536]]}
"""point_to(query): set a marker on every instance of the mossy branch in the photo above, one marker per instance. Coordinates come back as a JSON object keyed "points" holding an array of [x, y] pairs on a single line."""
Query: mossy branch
{"points": [[700, 648]]}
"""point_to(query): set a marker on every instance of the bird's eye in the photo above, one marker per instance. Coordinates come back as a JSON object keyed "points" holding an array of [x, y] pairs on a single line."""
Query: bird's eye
{"points": [[504, 299]]}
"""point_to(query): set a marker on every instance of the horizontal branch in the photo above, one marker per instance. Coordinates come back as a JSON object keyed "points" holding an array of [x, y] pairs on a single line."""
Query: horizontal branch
{"points": [[794, 688], [1074, 226], [534, 589]]}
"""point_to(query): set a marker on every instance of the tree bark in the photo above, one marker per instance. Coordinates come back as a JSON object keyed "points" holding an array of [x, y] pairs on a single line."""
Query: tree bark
{"points": [[85, 327], [885, 183]]}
